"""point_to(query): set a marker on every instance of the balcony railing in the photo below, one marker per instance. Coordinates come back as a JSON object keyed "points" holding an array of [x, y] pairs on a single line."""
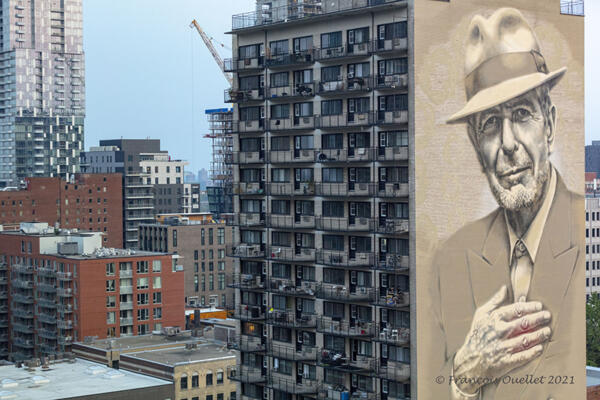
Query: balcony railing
{"points": [[279, 253], [246, 281], [23, 343], [125, 273], [249, 312], [306, 386], [393, 299], [47, 334], [392, 226], [394, 153], [41, 287], [357, 224], [288, 60], [254, 125], [22, 284], [343, 259], [341, 293], [243, 96], [21, 327], [47, 319], [290, 319], [352, 154], [393, 370], [399, 117], [289, 156], [288, 287], [46, 302], [344, 189], [391, 335], [244, 64], [392, 262], [345, 84], [291, 221], [22, 269], [344, 120], [248, 157], [126, 321], [292, 189], [392, 189], [288, 92], [126, 289], [246, 374], [127, 305], [249, 188], [333, 359], [343, 51], [244, 250], [246, 343], [19, 298], [64, 324], [303, 353], [392, 82], [64, 276], [68, 292], [247, 219], [293, 123], [344, 328]]}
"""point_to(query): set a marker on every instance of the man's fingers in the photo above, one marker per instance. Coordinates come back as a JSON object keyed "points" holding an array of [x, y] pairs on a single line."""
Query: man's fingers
{"points": [[526, 340], [496, 300], [526, 323], [514, 360], [517, 310]]}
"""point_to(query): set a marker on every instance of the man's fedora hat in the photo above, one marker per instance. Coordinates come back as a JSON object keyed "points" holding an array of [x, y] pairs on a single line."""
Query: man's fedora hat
{"points": [[503, 61]]}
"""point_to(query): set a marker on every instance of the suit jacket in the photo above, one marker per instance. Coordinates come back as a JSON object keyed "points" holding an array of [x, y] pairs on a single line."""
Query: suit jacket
{"points": [[472, 266]]}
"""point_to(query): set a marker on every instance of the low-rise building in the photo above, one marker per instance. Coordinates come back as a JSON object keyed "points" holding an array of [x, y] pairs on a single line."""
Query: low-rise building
{"points": [[199, 369], [64, 286], [78, 379]]}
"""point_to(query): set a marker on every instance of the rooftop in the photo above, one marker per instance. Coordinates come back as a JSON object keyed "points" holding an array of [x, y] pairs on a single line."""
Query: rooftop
{"points": [[141, 342], [69, 379], [202, 352]]}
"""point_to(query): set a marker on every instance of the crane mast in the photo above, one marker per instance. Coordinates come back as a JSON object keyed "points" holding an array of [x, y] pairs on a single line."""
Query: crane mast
{"points": [[212, 50]]}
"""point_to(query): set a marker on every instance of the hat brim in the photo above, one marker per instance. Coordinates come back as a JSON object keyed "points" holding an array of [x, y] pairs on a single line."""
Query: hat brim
{"points": [[504, 92]]}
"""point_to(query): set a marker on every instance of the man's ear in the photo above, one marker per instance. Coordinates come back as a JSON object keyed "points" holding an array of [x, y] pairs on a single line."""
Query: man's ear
{"points": [[551, 126], [475, 143]]}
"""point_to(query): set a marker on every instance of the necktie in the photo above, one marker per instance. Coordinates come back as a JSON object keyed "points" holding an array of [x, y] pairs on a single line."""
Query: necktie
{"points": [[521, 270]]}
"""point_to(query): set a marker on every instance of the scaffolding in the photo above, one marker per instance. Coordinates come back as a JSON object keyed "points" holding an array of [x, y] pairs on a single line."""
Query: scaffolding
{"points": [[220, 124]]}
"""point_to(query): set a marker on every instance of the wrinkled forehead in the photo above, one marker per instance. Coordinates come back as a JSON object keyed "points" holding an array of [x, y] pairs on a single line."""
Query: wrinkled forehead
{"points": [[530, 100]]}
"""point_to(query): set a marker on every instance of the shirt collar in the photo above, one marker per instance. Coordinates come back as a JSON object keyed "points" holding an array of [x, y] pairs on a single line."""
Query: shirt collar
{"points": [[531, 238]]}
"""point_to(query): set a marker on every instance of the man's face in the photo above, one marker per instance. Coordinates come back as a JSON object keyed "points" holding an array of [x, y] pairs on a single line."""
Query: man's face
{"points": [[513, 142]]}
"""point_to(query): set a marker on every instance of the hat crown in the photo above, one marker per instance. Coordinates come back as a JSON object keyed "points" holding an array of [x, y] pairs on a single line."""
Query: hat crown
{"points": [[505, 31]]}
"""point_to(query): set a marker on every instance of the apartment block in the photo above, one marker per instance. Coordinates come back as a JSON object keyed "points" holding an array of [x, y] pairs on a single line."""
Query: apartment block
{"points": [[42, 104], [200, 244], [592, 245], [63, 286], [91, 202], [220, 189]]}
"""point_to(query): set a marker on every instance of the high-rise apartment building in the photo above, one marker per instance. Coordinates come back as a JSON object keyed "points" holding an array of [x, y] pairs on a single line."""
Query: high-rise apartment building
{"points": [[42, 98], [65, 286], [220, 188]]}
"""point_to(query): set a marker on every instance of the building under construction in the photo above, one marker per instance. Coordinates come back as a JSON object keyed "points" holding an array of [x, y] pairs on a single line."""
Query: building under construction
{"points": [[220, 191]]}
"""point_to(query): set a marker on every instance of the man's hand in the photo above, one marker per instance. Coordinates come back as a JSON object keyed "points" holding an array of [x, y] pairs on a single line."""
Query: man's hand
{"points": [[500, 340]]}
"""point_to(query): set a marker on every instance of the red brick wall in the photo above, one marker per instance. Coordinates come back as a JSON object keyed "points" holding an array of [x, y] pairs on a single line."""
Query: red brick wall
{"points": [[54, 200], [593, 393]]}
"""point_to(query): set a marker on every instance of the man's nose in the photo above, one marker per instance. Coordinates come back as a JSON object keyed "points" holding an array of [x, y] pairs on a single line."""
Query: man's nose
{"points": [[509, 141]]}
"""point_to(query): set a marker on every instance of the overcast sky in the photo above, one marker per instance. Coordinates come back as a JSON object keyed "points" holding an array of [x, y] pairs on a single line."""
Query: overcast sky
{"points": [[149, 74]]}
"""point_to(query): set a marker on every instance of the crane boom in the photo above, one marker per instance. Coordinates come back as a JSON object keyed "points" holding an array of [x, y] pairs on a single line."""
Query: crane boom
{"points": [[212, 50]]}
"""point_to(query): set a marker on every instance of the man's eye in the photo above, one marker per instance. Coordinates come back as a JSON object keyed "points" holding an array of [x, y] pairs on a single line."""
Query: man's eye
{"points": [[522, 115], [490, 125]]}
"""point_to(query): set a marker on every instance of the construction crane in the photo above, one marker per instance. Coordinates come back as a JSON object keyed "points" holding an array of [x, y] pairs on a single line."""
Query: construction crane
{"points": [[213, 51]]}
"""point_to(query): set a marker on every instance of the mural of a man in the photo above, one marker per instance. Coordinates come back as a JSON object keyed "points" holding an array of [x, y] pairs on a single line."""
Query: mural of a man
{"points": [[503, 290]]}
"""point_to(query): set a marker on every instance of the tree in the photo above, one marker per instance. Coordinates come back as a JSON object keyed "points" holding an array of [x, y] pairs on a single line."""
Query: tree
{"points": [[592, 312]]}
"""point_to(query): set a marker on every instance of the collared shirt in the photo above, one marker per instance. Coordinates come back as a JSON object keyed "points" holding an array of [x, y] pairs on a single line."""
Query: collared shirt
{"points": [[522, 269]]}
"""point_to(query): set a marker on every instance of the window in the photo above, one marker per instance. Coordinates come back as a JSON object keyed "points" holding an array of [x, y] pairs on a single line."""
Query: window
{"points": [[210, 236], [174, 237], [211, 254], [335, 276], [220, 235], [220, 382], [280, 175], [142, 283], [333, 242], [394, 66], [303, 44], [183, 382], [280, 111], [333, 310], [333, 175], [392, 31], [209, 379], [156, 297], [203, 284], [281, 270], [195, 380], [332, 39], [280, 143], [333, 209], [211, 266], [250, 113], [361, 70], [110, 317], [195, 283], [279, 47], [110, 269], [202, 233], [393, 174], [279, 302], [110, 286], [303, 109], [250, 51], [282, 334], [221, 264], [331, 74], [156, 265], [156, 282], [332, 140], [142, 267], [142, 299], [111, 301], [359, 35], [157, 313], [221, 282], [394, 102], [279, 79], [359, 105], [142, 314], [393, 139], [334, 343], [282, 366], [303, 76], [250, 82], [281, 238], [211, 282]]}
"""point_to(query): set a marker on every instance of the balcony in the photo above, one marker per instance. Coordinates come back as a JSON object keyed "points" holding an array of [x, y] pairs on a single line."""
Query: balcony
{"points": [[392, 226], [244, 64], [399, 117], [292, 189], [303, 353], [393, 370], [46, 303], [290, 156], [64, 276], [392, 262], [245, 312], [344, 51], [288, 287], [47, 334], [249, 188], [23, 299], [64, 324], [298, 254], [338, 361], [23, 343], [248, 157], [347, 84], [246, 282], [45, 288], [391, 82], [392, 299], [126, 321], [344, 120], [248, 126], [291, 92], [125, 289], [22, 313], [46, 272], [22, 284], [244, 250], [67, 340], [391, 335], [295, 123], [392, 153], [343, 259], [291, 222], [352, 154], [125, 273], [289, 60], [246, 343], [246, 219], [392, 189], [47, 319], [389, 46], [344, 189], [22, 269], [64, 308], [306, 386], [289, 319], [343, 328], [245, 374], [353, 224], [64, 292], [21, 327], [236, 95], [341, 293], [126, 305]]}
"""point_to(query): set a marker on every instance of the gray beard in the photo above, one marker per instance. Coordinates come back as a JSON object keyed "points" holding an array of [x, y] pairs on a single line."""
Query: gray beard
{"points": [[519, 196]]}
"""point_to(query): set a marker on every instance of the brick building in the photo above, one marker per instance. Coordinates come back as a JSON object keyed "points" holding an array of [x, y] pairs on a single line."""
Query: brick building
{"points": [[87, 201], [63, 286]]}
